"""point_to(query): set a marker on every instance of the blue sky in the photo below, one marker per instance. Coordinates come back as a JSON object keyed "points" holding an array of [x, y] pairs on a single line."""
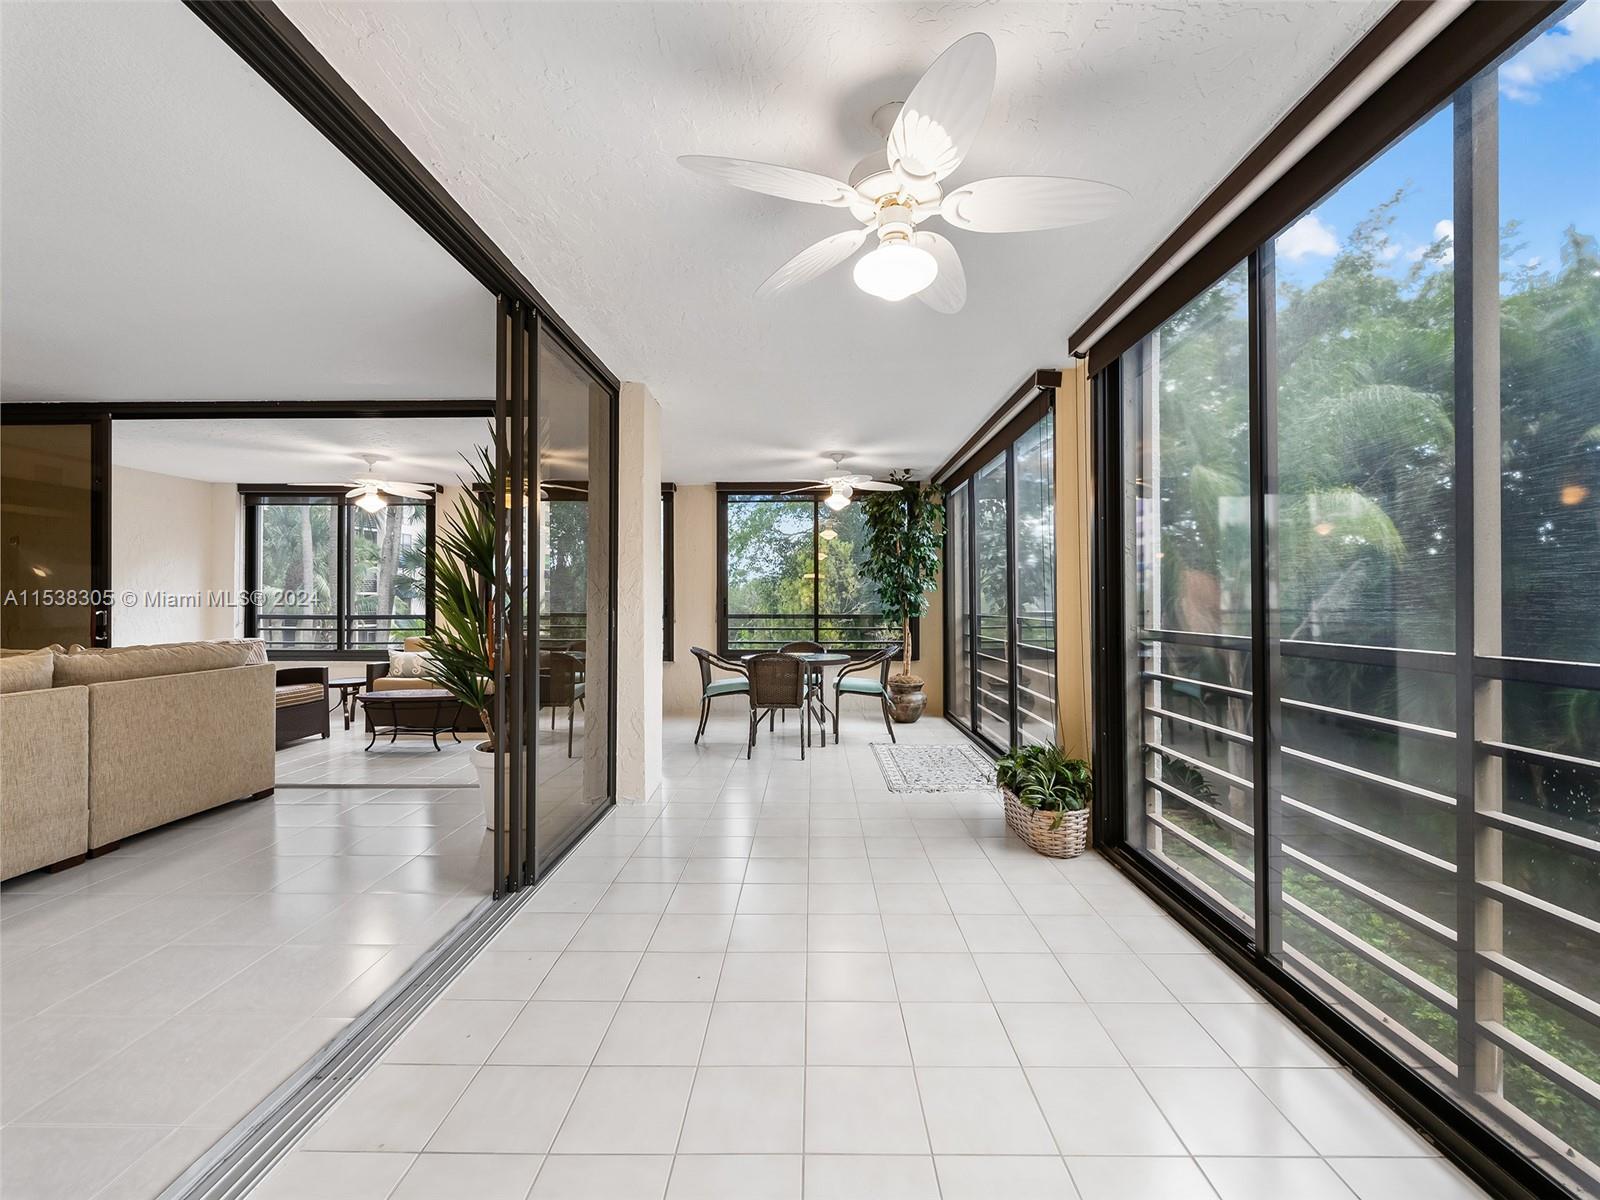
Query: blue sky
{"points": [[1549, 163]]}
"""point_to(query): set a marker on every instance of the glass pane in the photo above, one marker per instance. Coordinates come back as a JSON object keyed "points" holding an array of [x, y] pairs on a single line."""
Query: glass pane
{"points": [[298, 573], [572, 779], [1034, 455], [958, 606], [1547, 507], [47, 480], [1186, 403], [388, 574], [991, 505], [848, 603], [1365, 544], [770, 572]]}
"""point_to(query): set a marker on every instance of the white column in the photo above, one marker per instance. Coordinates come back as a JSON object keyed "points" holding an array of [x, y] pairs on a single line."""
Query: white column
{"points": [[639, 601]]}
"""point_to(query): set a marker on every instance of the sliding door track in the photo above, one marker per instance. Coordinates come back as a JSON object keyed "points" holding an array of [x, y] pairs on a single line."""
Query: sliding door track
{"points": [[251, 1148]]}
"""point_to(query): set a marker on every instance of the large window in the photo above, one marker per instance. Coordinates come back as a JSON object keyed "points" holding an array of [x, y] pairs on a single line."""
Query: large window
{"points": [[791, 571], [1360, 494], [1000, 609], [328, 577]]}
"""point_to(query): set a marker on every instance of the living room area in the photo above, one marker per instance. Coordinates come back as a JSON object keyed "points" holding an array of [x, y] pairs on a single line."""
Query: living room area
{"points": [[237, 428]]}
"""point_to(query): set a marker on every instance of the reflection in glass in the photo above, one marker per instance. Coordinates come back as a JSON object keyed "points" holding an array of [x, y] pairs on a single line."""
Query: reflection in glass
{"points": [[47, 481], [1186, 394], [572, 779], [958, 605], [991, 505], [1034, 459]]}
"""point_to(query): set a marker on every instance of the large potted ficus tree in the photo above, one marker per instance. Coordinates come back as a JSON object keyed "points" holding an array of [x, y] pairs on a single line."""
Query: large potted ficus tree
{"points": [[905, 530], [461, 646]]}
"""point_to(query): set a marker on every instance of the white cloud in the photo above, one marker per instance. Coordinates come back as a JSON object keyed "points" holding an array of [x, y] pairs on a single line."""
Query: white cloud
{"points": [[1308, 238], [1557, 52], [1444, 230], [1388, 251]]}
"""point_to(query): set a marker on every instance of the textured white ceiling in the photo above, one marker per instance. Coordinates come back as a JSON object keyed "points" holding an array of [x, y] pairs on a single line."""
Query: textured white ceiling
{"points": [[557, 125], [173, 230], [322, 450]]}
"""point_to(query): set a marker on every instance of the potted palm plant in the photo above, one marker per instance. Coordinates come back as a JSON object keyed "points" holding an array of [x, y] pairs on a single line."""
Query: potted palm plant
{"points": [[1047, 794], [461, 646], [905, 531]]}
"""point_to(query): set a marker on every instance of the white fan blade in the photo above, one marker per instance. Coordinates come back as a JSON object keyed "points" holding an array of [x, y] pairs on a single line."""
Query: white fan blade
{"points": [[814, 487], [416, 491], [874, 485], [357, 491], [1021, 203], [785, 182], [944, 112], [948, 291], [814, 260]]}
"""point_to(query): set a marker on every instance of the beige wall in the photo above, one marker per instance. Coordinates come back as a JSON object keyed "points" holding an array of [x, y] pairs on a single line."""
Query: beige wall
{"points": [[694, 545], [172, 536], [1074, 545]]}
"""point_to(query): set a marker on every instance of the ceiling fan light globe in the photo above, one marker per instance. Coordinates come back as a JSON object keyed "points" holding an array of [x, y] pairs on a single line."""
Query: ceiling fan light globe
{"points": [[895, 270], [837, 500], [371, 502]]}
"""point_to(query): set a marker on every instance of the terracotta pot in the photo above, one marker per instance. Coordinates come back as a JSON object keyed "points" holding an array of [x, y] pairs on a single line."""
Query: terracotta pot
{"points": [[907, 700]]}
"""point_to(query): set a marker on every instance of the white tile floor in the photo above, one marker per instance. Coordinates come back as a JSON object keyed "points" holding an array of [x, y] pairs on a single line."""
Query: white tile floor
{"points": [[784, 981], [152, 997]]}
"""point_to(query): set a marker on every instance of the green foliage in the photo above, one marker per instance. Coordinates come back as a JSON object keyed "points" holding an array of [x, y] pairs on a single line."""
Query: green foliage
{"points": [[1047, 779], [905, 535], [462, 641]]}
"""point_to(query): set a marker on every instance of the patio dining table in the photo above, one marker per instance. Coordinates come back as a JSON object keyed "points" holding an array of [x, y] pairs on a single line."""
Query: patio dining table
{"points": [[815, 661]]}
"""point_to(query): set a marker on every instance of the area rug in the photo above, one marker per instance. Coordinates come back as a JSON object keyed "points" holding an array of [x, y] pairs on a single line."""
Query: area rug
{"points": [[934, 768]]}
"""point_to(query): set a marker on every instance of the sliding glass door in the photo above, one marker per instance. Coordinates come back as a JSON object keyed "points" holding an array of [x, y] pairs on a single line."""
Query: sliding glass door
{"points": [[1358, 480], [55, 480], [1000, 591]]}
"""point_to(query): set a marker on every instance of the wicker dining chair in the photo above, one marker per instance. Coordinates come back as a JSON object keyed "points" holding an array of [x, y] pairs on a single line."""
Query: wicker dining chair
{"points": [[777, 683], [853, 680], [801, 648], [561, 684], [711, 688]]}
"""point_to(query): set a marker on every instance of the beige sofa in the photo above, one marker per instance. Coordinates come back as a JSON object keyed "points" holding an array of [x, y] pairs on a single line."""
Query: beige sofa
{"points": [[167, 731]]}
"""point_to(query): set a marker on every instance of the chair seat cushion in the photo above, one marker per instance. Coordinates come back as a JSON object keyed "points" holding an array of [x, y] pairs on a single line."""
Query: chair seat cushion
{"points": [[862, 687], [728, 687], [290, 694]]}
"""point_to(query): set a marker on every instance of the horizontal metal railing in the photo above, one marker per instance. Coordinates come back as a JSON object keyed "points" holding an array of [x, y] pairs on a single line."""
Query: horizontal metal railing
{"points": [[1198, 833], [846, 631]]}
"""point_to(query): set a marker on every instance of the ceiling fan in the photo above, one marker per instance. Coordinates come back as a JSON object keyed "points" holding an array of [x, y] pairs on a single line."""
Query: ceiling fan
{"points": [[892, 192], [841, 487], [369, 492]]}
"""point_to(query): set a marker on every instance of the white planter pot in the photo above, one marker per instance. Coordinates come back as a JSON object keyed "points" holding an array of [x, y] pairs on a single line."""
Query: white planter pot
{"points": [[483, 763]]}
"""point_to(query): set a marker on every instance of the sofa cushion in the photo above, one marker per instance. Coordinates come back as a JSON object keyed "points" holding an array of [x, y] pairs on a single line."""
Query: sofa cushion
{"points": [[256, 647], [413, 644], [57, 647], [287, 694], [388, 683], [144, 662], [32, 672]]}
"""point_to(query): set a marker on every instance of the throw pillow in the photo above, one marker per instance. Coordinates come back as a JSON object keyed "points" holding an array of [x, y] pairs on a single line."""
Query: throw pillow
{"points": [[407, 664]]}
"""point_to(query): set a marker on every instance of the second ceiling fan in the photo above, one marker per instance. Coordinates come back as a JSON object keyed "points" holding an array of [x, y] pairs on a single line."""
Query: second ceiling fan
{"points": [[894, 191]]}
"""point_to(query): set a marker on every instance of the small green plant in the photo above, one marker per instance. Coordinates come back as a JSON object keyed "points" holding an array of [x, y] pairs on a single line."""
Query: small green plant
{"points": [[1047, 779]]}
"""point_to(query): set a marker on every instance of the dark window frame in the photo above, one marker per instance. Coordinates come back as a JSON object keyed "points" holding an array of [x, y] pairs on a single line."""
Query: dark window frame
{"points": [[1445, 73], [668, 570], [1038, 400], [251, 497], [770, 491]]}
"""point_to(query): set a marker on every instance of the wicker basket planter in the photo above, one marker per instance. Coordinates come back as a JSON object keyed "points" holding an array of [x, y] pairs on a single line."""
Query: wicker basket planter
{"points": [[1067, 840]]}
